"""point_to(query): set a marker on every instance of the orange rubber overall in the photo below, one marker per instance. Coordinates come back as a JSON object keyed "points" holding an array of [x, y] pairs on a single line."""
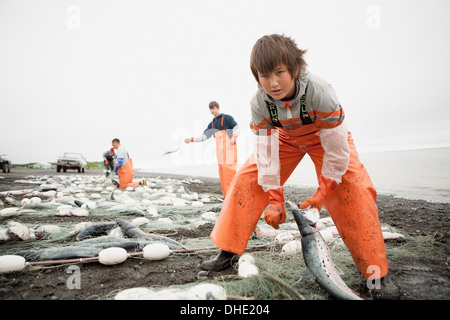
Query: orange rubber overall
{"points": [[126, 175], [352, 204], [226, 152]]}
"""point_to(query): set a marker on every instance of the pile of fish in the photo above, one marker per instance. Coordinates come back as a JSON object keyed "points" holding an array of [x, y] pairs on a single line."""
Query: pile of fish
{"points": [[160, 202], [83, 195], [90, 192], [88, 196]]}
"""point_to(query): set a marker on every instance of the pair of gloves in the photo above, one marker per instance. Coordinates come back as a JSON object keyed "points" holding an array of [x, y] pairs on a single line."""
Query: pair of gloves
{"points": [[275, 213]]}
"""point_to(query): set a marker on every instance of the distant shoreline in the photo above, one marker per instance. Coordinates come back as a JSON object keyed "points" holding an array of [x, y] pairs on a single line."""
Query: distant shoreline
{"points": [[151, 174]]}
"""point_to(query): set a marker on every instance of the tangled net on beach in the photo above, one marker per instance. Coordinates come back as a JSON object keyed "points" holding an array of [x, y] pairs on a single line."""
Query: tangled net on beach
{"points": [[48, 218]]}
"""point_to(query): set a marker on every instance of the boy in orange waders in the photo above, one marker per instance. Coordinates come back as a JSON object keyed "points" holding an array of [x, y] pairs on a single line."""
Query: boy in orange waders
{"points": [[295, 113], [124, 167], [225, 131]]}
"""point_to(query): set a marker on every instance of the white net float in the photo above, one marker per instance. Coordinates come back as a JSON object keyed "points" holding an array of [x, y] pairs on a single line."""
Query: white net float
{"points": [[113, 255], [11, 263], [285, 237], [291, 248], [139, 293], [156, 251]]}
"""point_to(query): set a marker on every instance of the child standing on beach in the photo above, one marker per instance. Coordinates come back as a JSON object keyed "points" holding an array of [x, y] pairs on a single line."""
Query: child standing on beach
{"points": [[295, 113], [225, 130]]}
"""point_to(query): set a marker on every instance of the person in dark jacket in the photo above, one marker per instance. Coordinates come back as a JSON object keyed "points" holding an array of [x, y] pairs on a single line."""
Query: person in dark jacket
{"points": [[225, 130], [109, 157]]}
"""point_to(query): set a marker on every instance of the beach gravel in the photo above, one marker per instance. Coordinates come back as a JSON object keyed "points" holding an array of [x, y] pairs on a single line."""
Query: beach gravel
{"points": [[418, 278]]}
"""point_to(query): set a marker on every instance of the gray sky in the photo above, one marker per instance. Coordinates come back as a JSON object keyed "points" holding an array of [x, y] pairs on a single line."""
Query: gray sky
{"points": [[76, 74]]}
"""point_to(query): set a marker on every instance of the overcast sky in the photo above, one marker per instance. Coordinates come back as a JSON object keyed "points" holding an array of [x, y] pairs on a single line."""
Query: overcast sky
{"points": [[76, 74]]}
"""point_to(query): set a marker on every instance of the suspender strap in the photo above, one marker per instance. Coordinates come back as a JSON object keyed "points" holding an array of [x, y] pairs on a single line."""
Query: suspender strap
{"points": [[306, 119], [221, 123], [273, 114]]}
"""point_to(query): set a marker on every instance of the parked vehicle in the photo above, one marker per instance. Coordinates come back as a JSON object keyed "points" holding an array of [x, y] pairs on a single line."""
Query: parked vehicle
{"points": [[71, 160], [5, 163]]}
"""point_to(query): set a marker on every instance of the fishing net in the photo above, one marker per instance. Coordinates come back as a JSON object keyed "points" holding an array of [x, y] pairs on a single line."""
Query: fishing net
{"points": [[164, 207], [287, 278], [168, 208]]}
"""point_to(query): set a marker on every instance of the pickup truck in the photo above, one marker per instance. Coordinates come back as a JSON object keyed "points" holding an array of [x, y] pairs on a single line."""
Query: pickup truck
{"points": [[71, 160]]}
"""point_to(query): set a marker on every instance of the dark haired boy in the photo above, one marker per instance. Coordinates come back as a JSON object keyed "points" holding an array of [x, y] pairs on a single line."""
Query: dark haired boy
{"points": [[295, 113]]}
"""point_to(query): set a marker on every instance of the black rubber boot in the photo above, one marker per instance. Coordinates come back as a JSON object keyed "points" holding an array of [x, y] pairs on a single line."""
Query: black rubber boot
{"points": [[219, 262], [387, 290]]}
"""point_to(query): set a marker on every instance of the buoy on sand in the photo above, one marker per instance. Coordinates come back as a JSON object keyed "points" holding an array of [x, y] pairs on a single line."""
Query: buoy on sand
{"points": [[139, 293], [291, 248], [246, 266], [156, 251], [11, 263], [284, 238], [112, 255]]}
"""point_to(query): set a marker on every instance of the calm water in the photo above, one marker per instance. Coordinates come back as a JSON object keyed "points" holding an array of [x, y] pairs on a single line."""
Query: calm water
{"points": [[412, 174]]}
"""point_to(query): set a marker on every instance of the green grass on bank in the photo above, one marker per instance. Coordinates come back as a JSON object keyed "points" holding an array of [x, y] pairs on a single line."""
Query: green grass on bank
{"points": [[90, 165]]}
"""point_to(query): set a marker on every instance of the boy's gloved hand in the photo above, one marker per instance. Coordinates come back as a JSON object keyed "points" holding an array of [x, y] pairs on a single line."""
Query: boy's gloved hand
{"points": [[275, 213], [315, 201], [326, 185]]}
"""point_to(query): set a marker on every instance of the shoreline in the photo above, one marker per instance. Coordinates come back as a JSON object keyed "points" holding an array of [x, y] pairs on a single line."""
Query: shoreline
{"points": [[434, 217], [288, 185], [211, 180], [422, 275]]}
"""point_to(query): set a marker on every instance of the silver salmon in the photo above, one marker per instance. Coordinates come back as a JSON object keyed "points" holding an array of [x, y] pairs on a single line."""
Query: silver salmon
{"points": [[317, 255], [132, 231]]}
